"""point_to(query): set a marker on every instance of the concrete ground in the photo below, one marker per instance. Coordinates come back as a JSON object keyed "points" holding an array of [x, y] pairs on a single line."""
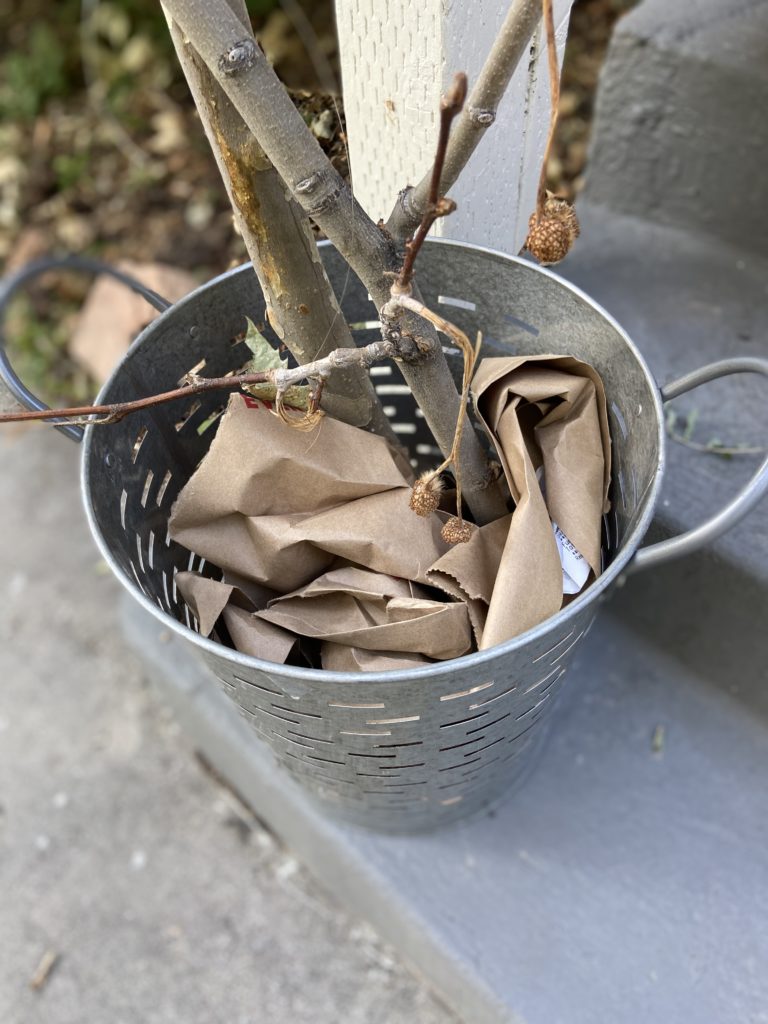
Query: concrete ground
{"points": [[161, 897]]}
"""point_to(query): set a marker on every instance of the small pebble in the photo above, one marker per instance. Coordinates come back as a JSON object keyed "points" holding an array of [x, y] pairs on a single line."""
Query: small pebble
{"points": [[287, 868]]}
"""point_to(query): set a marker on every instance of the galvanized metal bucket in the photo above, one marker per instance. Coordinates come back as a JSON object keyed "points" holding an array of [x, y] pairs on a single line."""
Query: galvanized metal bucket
{"points": [[404, 750]]}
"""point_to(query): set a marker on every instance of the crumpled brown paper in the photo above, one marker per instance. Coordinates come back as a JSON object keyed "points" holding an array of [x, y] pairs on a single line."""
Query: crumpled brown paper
{"points": [[317, 524], [210, 599], [549, 413], [279, 506], [374, 612], [468, 571], [342, 658]]}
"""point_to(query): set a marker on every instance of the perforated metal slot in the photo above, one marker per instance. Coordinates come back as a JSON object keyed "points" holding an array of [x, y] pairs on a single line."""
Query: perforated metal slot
{"points": [[447, 300], [393, 721], [187, 415], [336, 704], [466, 693], [463, 721], [147, 484], [464, 743], [490, 700], [193, 371], [553, 648], [138, 442]]}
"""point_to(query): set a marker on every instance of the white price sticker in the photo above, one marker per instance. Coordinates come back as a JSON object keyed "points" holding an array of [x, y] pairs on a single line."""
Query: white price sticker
{"points": [[575, 566]]}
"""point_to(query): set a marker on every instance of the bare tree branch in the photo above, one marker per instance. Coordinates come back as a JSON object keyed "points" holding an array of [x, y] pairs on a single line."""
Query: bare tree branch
{"points": [[318, 371], [478, 115], [233, 57], [301, 306]]}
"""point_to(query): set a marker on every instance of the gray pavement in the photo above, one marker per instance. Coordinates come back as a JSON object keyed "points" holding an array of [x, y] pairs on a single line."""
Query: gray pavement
{"points": [[163, 897]]}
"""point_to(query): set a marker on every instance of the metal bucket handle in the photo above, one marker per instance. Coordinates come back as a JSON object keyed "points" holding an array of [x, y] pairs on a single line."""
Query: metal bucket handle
{"points": [[734, 511], [11, 284]]}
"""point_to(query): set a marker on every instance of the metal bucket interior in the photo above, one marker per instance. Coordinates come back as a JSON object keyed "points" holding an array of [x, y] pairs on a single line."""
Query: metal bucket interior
{"points": [[397, 750]]}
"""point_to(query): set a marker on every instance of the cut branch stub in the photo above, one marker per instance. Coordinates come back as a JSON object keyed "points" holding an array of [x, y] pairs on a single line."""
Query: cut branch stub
{"points": [[238, 58]]}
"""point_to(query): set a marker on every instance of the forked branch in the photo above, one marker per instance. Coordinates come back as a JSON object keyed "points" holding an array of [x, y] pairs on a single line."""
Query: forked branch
{"points": [[451, 105], [317, 372], [478, 114], [235, 60], [279, 240]]}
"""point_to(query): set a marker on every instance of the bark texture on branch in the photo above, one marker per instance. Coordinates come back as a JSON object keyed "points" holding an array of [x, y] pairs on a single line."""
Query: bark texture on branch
{"points": [[301, 306], [234, 58], [478, 115], [318, 371]]}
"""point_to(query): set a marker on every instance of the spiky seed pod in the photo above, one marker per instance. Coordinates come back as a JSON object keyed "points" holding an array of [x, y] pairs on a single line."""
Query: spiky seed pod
{"points": [[425, 496], [456, 531], [551, 236]]}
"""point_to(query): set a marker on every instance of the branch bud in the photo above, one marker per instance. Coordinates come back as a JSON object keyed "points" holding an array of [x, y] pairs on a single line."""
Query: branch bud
{"points": [[238, 58]]}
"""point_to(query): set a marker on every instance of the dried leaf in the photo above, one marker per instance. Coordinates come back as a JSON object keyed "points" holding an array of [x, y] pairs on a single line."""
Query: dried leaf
{"points": [[266, 357]]}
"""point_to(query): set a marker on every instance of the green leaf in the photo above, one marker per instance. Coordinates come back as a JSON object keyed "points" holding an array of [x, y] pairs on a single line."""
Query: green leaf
{"points": [[296, 397], [265, 357]]}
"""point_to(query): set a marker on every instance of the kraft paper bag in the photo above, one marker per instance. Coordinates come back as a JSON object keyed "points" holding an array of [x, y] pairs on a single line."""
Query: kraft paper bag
{"points": [[545, 414], [374, 612], [279, 505], [342, 658], [210, 599], [322, 519], [467, 572]]}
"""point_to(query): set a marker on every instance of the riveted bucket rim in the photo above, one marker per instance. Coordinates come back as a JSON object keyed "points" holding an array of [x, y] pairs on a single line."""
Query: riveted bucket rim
{"points": [[438, 669]]}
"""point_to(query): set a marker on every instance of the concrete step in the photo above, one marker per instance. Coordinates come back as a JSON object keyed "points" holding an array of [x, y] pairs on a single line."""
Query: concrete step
{"points": [[680, 134], [687, 301], [626, 881]]}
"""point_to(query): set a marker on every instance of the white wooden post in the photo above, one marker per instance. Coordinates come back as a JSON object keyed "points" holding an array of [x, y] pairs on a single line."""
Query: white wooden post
{"points": [[396, 58]]}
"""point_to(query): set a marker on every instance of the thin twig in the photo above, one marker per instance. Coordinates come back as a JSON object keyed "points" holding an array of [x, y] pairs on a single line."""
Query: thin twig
{"points": [[714, 448], [451, 104], [470, 354], [478, 115], [282, 379], [43, 971], [554, 102]]}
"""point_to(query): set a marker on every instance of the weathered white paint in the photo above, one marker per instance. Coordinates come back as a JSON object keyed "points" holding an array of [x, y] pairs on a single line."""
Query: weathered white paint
{"points": [[396, 58]]}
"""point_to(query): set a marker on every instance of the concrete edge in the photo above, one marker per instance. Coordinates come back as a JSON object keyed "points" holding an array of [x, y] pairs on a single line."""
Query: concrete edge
{"points": [[218, 733]]}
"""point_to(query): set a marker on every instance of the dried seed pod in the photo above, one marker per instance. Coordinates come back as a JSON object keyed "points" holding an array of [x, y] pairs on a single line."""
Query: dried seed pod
{"points": [[425, 496], [456, 531], [551, 235]]}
